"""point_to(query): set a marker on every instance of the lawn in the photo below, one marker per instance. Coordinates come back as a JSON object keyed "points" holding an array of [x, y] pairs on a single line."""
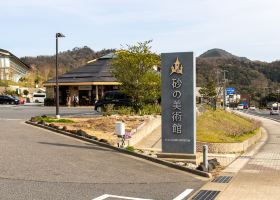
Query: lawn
{"points": [[222, 126]]}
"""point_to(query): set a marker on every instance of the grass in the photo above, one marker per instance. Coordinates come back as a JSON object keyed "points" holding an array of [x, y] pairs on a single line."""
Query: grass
{"points": [[224, 127], [53, 120]]}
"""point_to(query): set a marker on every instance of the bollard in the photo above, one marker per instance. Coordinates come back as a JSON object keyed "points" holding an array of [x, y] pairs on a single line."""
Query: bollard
{"points": [[205, 156]]}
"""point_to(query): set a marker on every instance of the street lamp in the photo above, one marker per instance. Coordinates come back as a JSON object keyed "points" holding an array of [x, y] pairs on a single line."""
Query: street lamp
{"points": [[278, 91], [57, 35]]}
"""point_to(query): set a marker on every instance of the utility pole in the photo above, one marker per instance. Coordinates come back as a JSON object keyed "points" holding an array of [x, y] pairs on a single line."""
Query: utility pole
{"points": [[224, 88]]}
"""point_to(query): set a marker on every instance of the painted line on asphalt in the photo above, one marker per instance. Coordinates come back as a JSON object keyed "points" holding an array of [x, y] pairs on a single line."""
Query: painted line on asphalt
{"points": [[183, 194], [4, 119], [105, 196]]}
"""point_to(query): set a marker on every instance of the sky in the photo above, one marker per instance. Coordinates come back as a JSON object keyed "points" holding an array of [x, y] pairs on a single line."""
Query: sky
{"points": [[248, 28]]}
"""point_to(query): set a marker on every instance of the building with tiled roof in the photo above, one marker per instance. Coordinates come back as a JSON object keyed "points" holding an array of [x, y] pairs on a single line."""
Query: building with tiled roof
{"points": [[88, 82]]}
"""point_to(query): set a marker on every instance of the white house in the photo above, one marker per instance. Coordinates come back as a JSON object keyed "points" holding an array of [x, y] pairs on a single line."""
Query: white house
{"points": [[11, 67]]}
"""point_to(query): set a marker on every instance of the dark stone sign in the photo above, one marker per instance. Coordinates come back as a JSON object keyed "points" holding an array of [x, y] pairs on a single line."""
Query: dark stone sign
{"points": [[178, 79]]}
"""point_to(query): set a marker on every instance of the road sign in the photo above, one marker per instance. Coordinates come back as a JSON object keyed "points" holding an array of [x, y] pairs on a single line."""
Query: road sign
{"points": [[178, 103], [230, 91]]}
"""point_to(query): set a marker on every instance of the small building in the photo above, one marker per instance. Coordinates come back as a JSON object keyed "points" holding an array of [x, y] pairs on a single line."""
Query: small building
{"points": [[11, 67], [88, 82]]}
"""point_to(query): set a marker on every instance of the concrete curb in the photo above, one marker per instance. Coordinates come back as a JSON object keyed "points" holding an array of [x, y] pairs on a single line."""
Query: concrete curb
{"points": [[155, 160]]}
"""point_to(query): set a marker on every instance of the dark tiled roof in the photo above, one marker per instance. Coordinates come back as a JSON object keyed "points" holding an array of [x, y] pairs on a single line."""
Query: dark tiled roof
{"points": [[9, 54], [98, 71]]}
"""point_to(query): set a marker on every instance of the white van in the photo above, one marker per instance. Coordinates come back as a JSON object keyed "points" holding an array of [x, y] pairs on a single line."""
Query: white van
{"points": [[38, 97]]}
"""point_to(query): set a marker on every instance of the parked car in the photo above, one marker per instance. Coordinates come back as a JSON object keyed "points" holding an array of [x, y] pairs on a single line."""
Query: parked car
{"points": [[240, 107], [245, 106], [252, 107], [274, 111], [4, 99], [112, 97]]}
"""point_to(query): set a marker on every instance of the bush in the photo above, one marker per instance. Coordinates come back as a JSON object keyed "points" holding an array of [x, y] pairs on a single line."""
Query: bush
{"points": [[3, 84], [25, 92], [130, 148], [51, 120], [151, 109], [148, 109], [10, 92], [124, 110]]}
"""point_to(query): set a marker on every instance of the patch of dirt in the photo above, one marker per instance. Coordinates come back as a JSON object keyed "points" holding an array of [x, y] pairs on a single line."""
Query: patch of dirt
{"points": [[104, 127]]}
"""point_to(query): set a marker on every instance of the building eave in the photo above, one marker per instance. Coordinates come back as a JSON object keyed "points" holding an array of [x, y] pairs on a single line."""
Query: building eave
{"points": [[82, 83]]}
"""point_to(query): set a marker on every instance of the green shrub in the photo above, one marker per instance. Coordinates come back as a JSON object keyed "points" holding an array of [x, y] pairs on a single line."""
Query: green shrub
{"points": [[10, 92], [25, 92], [51, 120], [124, 110], [130, 148], [151, 109], [148, 109]]}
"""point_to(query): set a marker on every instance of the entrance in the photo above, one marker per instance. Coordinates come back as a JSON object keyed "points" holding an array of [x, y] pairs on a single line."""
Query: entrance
{"points": [[85, 97]]}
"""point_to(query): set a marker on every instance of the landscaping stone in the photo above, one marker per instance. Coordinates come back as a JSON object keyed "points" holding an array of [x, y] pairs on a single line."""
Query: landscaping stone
{"points": [[42, 122], [93, 137], [104, 141], [33, 119], [73, 132], [81, 133]]}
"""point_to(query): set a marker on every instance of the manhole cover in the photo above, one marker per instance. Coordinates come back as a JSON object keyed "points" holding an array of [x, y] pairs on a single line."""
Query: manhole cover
{"points": [[206, 195]]}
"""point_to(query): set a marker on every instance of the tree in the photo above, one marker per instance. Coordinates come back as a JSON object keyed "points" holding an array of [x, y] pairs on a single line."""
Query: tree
{"points": [[134, 68], [25, 92], [209, 93]]}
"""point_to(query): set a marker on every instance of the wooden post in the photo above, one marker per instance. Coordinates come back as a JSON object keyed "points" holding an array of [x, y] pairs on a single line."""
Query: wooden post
{"points": [[102, 90], [96, 92]]}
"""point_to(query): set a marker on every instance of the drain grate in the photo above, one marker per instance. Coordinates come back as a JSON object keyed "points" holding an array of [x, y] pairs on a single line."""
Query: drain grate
{"points": [[222, 179], [206, 195]]}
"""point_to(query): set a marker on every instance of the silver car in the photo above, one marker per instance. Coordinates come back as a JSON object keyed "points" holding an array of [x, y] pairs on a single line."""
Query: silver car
{"points": [[274, 111]]}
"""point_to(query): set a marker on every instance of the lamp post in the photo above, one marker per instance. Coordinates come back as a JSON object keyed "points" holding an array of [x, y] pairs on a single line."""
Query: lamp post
{"points": [[278, 91], [57, 35]]}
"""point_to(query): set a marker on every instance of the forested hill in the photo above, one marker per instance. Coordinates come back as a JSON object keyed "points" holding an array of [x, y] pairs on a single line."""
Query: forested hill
{"points": [[44, 66], [254, 77], [246, 75]]}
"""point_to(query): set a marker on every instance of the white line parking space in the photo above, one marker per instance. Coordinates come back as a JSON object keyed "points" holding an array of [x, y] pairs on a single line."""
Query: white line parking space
{"points": [[183, 194], [106, 196]]}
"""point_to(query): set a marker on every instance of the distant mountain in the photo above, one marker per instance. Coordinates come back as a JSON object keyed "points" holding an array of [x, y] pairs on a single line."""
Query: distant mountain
{"points": [[220, 54], [252, 77]]}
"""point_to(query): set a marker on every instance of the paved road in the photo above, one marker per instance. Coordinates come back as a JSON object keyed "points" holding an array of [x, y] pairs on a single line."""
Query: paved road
{"points": [[38, 164], [263, 113]]}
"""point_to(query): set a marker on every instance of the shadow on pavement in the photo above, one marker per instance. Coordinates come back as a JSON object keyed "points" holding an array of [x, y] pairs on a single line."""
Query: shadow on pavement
{"points": [[90, 146]]}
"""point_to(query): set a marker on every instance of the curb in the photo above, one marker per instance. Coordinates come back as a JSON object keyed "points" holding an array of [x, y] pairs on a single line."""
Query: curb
{"points": [[155, 160]]}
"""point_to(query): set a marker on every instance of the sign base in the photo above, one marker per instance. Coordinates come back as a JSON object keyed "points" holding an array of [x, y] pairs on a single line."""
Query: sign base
{"points": [[179, 157]]}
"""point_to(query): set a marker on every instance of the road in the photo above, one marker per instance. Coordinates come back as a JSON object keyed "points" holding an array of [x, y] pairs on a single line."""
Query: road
{"points": [[263, 113], [39, 164]]}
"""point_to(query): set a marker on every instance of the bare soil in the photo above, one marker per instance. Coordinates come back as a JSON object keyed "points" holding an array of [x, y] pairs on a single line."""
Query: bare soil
{"points": [[104, 127]]}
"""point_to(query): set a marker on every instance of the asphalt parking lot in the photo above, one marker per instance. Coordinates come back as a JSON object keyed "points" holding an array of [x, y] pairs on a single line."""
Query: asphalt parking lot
{"points": [[39, 164]]}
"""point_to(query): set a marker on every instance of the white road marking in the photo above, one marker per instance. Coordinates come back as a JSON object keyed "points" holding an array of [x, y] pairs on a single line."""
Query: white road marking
{"points": [[183, 194], [10, 119], [105, 196]]}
